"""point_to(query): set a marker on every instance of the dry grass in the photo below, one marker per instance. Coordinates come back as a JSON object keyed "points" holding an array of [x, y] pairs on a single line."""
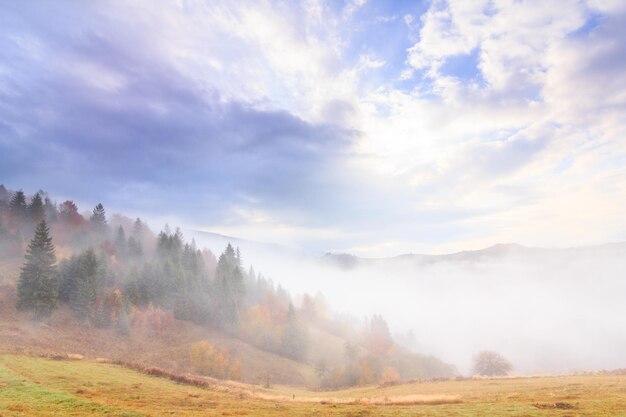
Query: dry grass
{"points": [[63, 333], [42, 387]]}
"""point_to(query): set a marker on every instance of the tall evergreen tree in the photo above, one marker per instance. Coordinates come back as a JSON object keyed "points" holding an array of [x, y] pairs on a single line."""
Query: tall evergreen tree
{"points": [[84, 292], [295, 341], [229, 291], [37, 286], [134, 248], [35, 209], [4, 193], [98, 219], [18, 207], [69, 271], [120, 242], [138, 229], [50, 210]]}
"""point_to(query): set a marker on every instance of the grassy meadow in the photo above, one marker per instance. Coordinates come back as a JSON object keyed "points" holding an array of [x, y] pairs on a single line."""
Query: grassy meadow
{"points": [[32, 386]]}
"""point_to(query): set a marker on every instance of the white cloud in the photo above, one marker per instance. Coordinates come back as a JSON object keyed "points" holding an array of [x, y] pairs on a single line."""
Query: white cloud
{"points": [[536, 130], [537, 150]]}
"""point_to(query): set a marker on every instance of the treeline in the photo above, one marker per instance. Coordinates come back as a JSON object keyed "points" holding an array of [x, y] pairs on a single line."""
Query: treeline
{"points": [[116, 273]]}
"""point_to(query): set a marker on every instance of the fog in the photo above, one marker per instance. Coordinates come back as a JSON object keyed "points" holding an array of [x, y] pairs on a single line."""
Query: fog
{"points": [[547, 311]]}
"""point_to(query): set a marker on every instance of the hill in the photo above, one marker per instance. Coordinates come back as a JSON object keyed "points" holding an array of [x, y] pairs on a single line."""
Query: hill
{"points": [[44, 388], [500, 251], [63, 333]]}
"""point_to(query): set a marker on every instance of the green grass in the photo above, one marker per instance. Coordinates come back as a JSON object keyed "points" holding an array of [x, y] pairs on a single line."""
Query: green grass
{"points": [[32, 386]]}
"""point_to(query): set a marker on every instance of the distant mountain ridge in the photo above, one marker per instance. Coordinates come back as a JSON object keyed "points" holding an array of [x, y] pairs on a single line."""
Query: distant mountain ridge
{"points": [[346, 261], [498, 251]]}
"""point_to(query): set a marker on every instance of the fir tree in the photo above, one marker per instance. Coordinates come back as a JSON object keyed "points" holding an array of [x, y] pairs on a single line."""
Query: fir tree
{"points": [[69, 271], [138, 229], [230, 290], [4, 194], [17, 206], [120, 242], [50, 210], [84, 292], [98, 219], [38, 283], [134, 248], [123, 324], [295, 340], [102, 316], [35, 209]]}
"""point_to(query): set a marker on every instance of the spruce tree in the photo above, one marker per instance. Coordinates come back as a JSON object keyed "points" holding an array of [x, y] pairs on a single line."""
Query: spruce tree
{"points": [[35, 209], [38, 283], [17, 206], [138, 229], [103, 313], [230, 290], [134, 248], [120, 242], [50, 210], [4, 194], [98, 219], [295, 341], [84, 292]]}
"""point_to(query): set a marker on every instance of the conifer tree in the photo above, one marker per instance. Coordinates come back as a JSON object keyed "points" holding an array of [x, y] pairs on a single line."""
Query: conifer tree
{"points": [[123, 323], [295, 340], [98, 219], [38, 283], [102, 315], [69, 271], [134, 248], [4, 194], [120, 242], [17, 206], [138, 229], [230, 290], [35, 209], [84, 292], [50, 210]]}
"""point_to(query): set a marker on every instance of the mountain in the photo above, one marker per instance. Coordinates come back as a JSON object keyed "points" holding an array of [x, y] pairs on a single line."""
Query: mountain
{"points": [[509, 251]]}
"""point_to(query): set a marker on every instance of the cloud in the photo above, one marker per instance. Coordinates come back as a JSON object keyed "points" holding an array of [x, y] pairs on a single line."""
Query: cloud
{"points": [[98, 112], [324, 120]]}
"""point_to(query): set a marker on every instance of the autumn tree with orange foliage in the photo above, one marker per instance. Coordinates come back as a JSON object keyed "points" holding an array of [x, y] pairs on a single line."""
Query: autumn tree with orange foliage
{"points": [[210, 361], [378, 339]]}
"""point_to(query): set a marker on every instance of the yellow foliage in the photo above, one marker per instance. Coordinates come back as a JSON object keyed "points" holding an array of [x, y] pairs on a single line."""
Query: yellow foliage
{"points": [[202, 357], [366, 375], [207, 360], [389, 376], [220, 364]]}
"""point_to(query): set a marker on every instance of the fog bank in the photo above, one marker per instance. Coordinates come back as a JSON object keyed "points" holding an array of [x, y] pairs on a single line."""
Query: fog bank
{"points": [[547, 311]]}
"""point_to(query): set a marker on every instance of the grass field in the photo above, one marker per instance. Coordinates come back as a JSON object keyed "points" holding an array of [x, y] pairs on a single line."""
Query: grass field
{"points": [[31, 386]]}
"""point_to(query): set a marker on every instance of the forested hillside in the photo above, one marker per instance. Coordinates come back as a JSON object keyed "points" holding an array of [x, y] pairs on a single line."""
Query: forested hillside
{"points": [[115, 274]]}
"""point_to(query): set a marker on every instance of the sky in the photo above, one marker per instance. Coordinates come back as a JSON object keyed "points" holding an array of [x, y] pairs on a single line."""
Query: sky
{"points": [[364, 126]]}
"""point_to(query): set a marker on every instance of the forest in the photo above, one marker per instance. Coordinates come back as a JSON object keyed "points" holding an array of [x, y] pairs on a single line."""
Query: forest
{"points": [[116, 273]]}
